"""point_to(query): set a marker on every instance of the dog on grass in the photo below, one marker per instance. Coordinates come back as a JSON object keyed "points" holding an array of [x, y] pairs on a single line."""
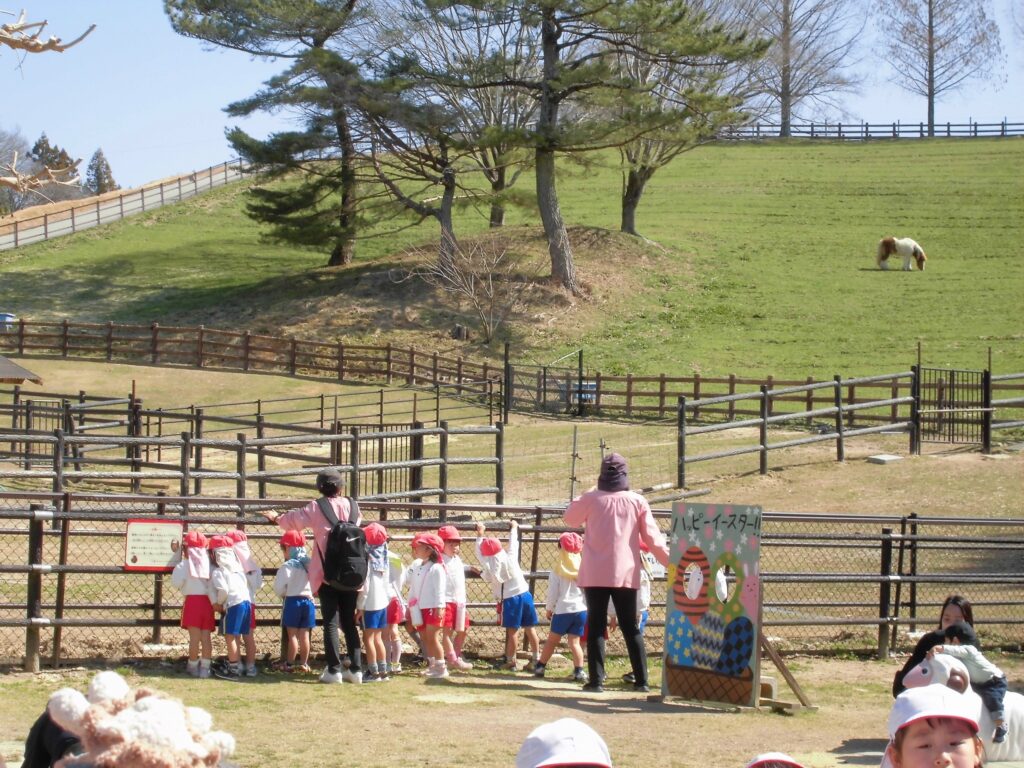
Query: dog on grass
{"points": [[900, 246]]}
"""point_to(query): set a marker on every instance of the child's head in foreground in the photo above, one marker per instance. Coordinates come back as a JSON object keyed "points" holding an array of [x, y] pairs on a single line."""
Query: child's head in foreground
{"points": [[934, 725]]}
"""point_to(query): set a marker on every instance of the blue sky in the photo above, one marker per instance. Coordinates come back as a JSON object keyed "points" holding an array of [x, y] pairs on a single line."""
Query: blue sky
{"points": [[154, 100]]}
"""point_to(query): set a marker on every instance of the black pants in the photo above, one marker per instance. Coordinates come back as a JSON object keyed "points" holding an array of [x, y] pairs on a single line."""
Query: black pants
{"points": [[336, 605], [624, 600]]}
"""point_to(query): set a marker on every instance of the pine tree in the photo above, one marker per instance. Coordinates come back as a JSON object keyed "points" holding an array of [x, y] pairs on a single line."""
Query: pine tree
{"points": [[98, 176], [50, 155]]}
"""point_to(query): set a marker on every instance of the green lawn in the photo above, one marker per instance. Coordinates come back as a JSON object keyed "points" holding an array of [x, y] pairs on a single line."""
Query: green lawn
{"points": [[761, 262]]}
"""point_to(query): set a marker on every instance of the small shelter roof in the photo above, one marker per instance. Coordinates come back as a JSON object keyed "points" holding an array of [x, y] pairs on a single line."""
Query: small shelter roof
{"points": [[12, 373]]}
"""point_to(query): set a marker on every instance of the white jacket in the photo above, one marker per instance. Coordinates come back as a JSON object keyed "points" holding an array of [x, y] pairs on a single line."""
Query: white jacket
{"points": [[188, 584], [374, 594], [228, 588], [426, 588], [292, 581], [455, 583], [564, 595], [502, 570]]}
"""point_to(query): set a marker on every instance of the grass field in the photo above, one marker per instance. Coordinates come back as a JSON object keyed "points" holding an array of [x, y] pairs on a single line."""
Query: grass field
{"points": [[760, 261]]}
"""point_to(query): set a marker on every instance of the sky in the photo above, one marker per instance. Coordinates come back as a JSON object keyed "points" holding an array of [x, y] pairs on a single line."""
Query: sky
{"points": [[153, 100]]}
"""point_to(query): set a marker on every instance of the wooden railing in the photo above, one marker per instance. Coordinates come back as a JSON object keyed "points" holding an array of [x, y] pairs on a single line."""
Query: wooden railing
{"points": [[861, 131]]}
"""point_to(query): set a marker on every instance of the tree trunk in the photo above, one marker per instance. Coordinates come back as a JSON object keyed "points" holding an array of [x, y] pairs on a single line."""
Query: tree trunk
{"points": [[931, 67], [562, 268], [497, 208], [449, 245], [344, 248], [786, 75], [636, 180]]}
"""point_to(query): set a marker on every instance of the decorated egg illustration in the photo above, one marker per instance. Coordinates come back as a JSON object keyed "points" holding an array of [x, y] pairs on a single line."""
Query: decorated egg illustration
{"points": [[707, 641], [690, 586], [737, 647], [679, 639]]}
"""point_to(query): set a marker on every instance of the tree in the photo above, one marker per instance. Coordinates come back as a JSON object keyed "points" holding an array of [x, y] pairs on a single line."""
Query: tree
{"points": [[939, 45], [321, 208], [27, 36], [809, 63], [12, 145], [99, 178], [49, 175]]}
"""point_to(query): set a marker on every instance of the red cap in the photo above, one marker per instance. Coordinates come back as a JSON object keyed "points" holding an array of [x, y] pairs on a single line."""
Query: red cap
{"points": [[375, 534], [236, 536], [218, 542], [490, 546], [293, 539], [571, 542], [449, 533], [194, 539], [431, 540]]}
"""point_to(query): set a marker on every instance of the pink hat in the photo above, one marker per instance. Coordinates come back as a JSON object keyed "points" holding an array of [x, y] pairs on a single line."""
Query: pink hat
{"points": [[431, 540], [490, 546], [563, 742], [218, 542], [236, 536], [449, 533], [773, 760], [375, 534], [194, 539], [293, 539], [571, 542], [933, 701]]}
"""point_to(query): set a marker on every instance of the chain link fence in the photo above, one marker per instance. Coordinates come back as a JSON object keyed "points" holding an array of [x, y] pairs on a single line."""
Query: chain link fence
{"points": [[829, 582]]}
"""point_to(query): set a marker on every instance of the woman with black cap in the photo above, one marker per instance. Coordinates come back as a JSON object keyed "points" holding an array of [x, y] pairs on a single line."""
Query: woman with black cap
{"points": [[616, 520], [335, 605]]}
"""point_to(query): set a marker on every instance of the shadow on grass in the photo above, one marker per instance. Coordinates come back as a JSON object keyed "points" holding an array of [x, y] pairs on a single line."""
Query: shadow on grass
{"points": [[860, 751]]}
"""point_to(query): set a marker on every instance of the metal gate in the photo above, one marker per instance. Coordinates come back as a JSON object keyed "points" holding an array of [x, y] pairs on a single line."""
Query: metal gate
{"points": [[953, 406]]}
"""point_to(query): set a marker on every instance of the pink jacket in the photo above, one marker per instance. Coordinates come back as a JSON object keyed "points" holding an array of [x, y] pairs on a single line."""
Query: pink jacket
{"points": [[615, 525], [312, 518]]}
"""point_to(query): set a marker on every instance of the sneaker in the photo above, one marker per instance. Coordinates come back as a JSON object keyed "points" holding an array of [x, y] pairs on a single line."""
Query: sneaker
{"points": [[395, 669], [1000, 734], [460, 664], [330, 677], [538, 670], [229, 672], [531, 665], [352, 677], [593, 688], [641, 687], [204, 672], [192, 668], [579, 676], [251, 671], [370, 676], [509, 665], [302, 669], [438, 671], [629, 677]]}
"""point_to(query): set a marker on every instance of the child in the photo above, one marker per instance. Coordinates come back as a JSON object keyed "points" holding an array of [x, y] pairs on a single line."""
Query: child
{"points": [[229, 592], [931, 726], [254, 579], [373, 603], [456, 620], [426, 599], [566, 606], [192, 577], [987, 680], [396, 612], [501, 570], [299, 614]]}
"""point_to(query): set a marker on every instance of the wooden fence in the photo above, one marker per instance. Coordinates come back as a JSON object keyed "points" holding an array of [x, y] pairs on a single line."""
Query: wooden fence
{"points": [[861, 131], [26, 226]]}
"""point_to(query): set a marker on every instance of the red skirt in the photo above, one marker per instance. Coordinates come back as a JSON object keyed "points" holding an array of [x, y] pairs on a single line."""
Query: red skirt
{"points": [[198, 612]]}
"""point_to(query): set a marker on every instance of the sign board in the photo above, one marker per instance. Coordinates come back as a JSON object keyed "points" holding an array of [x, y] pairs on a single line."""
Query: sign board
{"points": [[713, 604], [152, 545]]}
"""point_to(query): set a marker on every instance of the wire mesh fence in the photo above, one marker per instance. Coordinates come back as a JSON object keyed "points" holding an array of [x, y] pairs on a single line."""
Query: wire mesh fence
{"points": [[853, 583]]}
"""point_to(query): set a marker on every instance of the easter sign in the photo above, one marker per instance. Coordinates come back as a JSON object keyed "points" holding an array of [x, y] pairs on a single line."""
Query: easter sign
{"points": [[713, 604]]}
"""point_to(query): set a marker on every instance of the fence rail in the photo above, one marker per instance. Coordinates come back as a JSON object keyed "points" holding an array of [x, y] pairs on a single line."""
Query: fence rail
{"points": [[861, 130], [26, 227], [848, 581]]}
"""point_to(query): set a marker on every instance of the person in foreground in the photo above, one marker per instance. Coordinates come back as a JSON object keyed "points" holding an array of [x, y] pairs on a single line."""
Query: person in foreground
{"points": [[934, 726], [773, 760], [566, 742], [616, 520]]}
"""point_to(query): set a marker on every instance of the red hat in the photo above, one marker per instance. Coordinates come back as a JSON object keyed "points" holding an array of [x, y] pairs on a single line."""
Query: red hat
{"points": [[449, 533], [293, 539], [490, 546], [236, 536], [375, 534], [218, 542], [194, 539], [571, 542], [431, 540]]}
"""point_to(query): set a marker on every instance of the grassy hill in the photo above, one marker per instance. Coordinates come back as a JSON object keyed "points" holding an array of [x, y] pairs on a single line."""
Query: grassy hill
{"points": [[758, 259]]}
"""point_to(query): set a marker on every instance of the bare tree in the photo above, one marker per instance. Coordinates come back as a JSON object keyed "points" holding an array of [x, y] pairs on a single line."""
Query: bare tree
{"points": [[27, 36], [936, 46], [810, 63]]}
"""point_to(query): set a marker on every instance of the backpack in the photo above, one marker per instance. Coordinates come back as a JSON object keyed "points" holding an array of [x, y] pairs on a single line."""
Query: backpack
{"points": [[345, 555]]}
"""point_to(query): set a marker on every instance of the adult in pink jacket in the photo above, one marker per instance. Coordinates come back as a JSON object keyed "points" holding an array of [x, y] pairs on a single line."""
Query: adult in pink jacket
{"points": [[615, 520]]}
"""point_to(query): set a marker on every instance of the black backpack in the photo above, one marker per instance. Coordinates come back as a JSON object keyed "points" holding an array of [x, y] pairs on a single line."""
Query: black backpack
{"points": [[345, 556]]}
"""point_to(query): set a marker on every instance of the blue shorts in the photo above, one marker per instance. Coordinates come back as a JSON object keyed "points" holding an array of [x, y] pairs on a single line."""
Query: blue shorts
{"points": [[299, 613], [643, 620], [569, 623], [518, 612], [375, 619], [238, 619]]}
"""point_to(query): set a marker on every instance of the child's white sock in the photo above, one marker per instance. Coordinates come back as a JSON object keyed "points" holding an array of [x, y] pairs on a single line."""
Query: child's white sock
{"points": [[192, 667]]}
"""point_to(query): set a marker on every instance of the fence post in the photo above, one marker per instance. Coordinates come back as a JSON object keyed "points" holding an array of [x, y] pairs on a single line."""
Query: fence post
{"points": [[154, 343], [442, 470], [292, 355], [763, 429], [240, 458], [183, 463], [110, 340], [913, 569], [198, 428], [629, 394], [158, 583], [21, 336], [437, 403], [509, 378], [64, 337], [579, 384], [915, 410], [388, 362], [34, 595], [246, 343], [261, 458], [29, 425], [353, 457], [199, 346], [681, 443], [837, 399], [135, 431], [986, 418], [410, 377], [58, 461], [885, 594], [499, 468], [416, 472], [341, 361], [62, 559]]}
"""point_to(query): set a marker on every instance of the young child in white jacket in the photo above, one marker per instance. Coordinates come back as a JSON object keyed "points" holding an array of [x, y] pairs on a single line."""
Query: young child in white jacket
{"points": [[299, 614], [254, 578], [372, 603], [501, 570], [427, 599], [229, 592], [456, 617], [192, 577], [566, 606]]}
